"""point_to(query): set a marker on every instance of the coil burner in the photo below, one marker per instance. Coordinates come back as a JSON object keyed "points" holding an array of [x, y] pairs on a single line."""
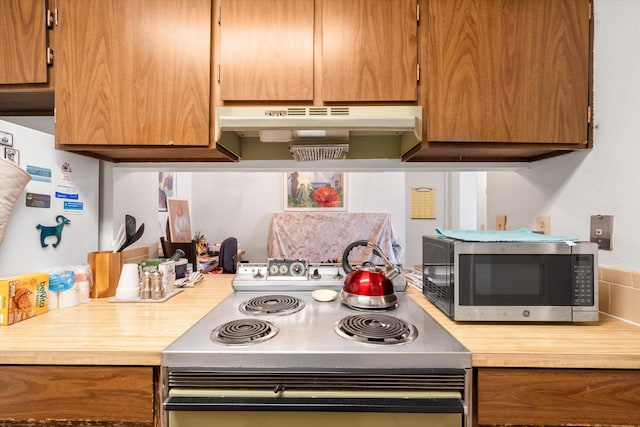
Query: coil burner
{"points": [[375, 328], [272, 304], [243, 331]]}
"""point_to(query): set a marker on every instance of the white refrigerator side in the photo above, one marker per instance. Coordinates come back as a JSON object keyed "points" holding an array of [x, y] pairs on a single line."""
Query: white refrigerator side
{"points": [[70, 183]]}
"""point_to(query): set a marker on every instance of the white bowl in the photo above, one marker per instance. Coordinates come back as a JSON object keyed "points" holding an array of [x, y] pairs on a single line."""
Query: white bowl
{"points": [[324, 295]]}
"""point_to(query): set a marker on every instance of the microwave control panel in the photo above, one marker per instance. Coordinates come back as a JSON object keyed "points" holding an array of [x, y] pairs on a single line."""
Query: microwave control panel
{"points": [[583, 281]]}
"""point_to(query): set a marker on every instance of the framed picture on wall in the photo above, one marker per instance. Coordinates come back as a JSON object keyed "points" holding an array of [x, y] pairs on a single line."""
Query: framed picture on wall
{"points": [[315, 191], [6, 139], [179, 220], [166, 184], [12, 155]]}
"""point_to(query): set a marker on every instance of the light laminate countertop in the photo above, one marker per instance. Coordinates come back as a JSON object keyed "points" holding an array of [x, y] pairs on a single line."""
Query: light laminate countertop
{"points": [[106, 333]]}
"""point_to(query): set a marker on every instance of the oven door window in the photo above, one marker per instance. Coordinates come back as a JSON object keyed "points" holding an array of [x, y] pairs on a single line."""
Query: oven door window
{"points": [[515, 280]]}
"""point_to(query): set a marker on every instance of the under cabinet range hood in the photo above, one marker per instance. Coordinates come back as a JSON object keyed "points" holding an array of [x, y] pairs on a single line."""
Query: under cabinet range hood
{"points": [[318, 133]]}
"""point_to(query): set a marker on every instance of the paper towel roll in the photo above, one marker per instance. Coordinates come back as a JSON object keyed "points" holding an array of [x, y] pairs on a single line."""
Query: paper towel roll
{"points": [[68, 298], [84, 288], [52, 297]]}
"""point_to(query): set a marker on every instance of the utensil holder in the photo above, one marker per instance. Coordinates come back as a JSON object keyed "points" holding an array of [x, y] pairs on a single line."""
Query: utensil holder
{"points": [[105, 268]]}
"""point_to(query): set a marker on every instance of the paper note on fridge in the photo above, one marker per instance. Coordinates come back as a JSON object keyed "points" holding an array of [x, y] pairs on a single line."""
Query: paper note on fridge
{"points": [[66, 191]]}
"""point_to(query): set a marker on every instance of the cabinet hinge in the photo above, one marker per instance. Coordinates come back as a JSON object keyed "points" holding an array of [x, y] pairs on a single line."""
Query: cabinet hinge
{"points": [[219, 14], [589, 114], [418, 12], [218, 73], [417, 72], [49, 56], [52, 18]]}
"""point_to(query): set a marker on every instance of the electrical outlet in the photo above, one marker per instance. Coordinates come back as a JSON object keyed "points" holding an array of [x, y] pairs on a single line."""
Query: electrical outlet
{"points": [[602, 231], [543, 224], [501, 222]]}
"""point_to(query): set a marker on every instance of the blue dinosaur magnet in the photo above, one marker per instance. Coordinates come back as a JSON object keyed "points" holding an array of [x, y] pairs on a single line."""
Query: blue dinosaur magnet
{"points": [[52, 231]]}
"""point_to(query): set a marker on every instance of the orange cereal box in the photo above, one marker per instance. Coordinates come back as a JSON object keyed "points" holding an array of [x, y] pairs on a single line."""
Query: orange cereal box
{"points": [[22, 297]]}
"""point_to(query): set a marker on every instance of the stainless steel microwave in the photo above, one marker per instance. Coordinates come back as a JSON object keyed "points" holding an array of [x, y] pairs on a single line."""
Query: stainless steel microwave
{"points": [[511, 281]]}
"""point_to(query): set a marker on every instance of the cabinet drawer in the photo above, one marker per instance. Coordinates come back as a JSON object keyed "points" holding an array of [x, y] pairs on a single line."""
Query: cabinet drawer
{"points": [[558, 396]]}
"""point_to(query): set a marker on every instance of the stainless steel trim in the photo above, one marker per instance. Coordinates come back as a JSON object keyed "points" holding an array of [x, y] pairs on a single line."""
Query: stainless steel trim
{"points": [[368, 302]]}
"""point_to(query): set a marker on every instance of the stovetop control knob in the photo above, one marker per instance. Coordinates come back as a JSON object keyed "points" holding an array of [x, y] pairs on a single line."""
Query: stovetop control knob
{"points": [[338, 275], [258, 275], [316, 274], [297, 269], [279, 388]]}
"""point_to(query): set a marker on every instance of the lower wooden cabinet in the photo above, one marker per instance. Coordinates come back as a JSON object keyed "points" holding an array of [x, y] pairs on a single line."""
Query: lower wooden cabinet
{"points": [[76, 395], [557, 397]]}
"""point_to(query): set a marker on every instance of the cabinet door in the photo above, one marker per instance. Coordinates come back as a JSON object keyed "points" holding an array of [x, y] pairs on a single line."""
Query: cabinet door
{"points": [[508, 71], [369, 50], [79, 395], [23, 50], [133, 72], [266, 50]]}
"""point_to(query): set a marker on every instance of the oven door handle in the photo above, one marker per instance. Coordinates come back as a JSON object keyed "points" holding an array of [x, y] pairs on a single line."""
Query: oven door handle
{"points": [[321, 404]]}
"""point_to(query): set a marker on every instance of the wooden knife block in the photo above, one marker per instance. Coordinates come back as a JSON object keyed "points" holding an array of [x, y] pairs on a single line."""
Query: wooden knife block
{"points": [[105, 268]]}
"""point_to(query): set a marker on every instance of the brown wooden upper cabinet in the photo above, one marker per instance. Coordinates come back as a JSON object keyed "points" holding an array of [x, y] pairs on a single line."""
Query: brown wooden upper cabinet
{"points": [[266, 50], [23, 50], [134, 73], [369, 50], [515, 71], [318, 50]]}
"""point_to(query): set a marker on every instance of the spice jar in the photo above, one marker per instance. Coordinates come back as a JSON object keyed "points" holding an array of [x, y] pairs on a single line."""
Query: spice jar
{"points": [[145, 290], [157, 288]]}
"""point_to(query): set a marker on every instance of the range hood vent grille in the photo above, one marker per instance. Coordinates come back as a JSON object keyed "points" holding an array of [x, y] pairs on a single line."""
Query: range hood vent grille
{"points": [[317, 111], [309, 153], [296, 111]]}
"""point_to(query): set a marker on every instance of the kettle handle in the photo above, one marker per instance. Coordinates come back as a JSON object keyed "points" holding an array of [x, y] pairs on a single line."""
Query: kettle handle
{"points": [[392, 270]]}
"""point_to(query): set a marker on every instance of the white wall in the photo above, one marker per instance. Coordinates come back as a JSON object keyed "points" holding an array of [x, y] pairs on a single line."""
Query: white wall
{"points": [[605, 180]]}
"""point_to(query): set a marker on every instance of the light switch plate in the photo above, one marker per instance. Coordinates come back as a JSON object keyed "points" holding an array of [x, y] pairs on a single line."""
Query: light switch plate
{"points": [[602, 231], [543, 224]]}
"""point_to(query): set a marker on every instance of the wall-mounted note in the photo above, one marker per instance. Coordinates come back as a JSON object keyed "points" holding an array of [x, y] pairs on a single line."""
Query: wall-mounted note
{"points": [[423, 203]]}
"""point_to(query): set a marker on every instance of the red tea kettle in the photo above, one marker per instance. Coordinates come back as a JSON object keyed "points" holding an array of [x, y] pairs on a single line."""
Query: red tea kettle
{"points": [[369, 287]]}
